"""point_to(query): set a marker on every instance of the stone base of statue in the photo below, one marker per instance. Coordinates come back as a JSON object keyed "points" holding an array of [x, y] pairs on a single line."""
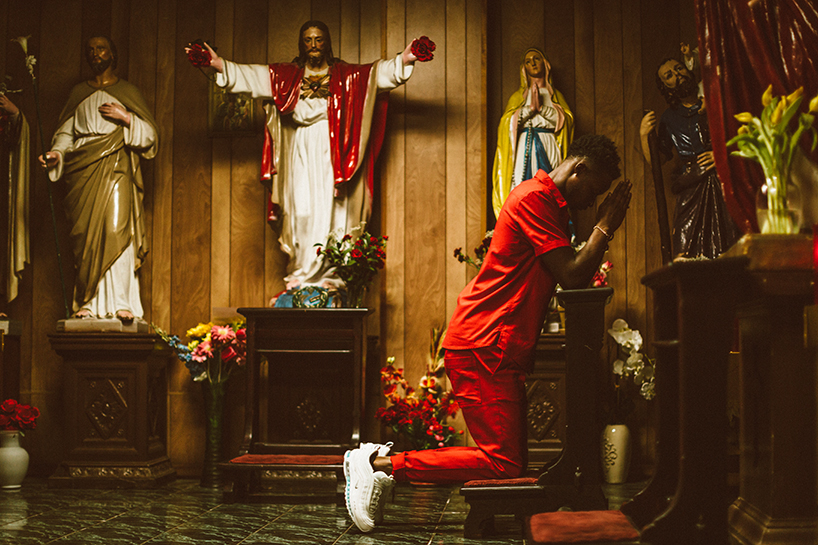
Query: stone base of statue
{"points": [[115, 410], [103, 325]]}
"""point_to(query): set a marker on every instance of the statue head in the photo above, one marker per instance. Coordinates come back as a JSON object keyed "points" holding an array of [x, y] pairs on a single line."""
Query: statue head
{"points": [[535, 64], [314, 45], [675, 82], [100, 52]]}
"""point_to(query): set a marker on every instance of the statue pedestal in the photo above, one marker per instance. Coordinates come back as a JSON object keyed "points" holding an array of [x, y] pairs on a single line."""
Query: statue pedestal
{"points": [[115, 410], [10, 332], [777, 498]]}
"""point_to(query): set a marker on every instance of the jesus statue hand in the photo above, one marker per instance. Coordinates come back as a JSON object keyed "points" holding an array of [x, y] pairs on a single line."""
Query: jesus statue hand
{"points": [[115, 113], [407, 56]]}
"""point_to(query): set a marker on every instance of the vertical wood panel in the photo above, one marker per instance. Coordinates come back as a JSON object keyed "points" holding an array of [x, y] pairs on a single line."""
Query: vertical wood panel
{"points": [[163, 166], [476, 128], [456, 182], [425, 186], [393, 183], [248, 195], [349, 40], [220, 223], [142, 32], [559, 39], [522, 28], [584, 105], [329, 11], [121, 33], [609, 99]]}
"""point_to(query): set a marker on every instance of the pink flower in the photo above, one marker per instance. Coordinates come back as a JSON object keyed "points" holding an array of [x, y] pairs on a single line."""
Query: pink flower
{"points": [[222, 334], [202, 352]]}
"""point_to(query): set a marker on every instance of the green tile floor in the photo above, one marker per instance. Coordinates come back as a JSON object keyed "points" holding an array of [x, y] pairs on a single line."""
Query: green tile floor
{"points": [[183, 512]]}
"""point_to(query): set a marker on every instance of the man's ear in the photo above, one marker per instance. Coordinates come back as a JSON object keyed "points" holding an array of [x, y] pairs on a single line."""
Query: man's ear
{"points": [[580, 167]]}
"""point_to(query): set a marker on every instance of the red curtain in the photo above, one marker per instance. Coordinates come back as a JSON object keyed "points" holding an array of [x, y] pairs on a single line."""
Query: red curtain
{"points": [[744, 46]]}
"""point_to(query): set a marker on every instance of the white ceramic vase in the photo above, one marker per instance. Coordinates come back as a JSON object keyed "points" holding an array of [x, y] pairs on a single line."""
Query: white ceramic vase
{"points": [[13, 460], [616, 453]]}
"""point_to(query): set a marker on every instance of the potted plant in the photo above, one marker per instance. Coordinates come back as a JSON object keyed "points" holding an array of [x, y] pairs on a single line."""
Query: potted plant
{"points": [[14, 419]]}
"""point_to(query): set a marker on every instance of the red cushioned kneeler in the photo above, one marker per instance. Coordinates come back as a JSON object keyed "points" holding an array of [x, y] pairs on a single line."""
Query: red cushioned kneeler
{"points": [[564, 527]]}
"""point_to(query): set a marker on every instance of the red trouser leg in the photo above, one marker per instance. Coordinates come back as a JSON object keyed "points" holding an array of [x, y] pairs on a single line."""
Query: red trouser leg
{"points": [[494, 408]]}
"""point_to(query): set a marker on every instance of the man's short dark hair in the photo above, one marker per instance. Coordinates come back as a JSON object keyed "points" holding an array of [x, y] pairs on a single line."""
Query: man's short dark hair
{"points": [[601, 152], [301, 59], [111, 46]]}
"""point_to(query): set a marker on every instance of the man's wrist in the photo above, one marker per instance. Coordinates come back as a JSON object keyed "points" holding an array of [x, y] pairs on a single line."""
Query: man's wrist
{"points": [[609, 234]]}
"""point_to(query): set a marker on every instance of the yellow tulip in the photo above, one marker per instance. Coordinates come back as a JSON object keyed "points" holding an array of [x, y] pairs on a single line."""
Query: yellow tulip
{"points": [[778, 112], [767, 97], [744, 117], [795, 94], [743, 129], [813, 105]]}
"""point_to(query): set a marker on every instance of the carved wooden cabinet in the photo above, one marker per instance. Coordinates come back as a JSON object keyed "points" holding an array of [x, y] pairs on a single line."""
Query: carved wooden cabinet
{"points": [[545, 389], [305, 380], [115, 410]]}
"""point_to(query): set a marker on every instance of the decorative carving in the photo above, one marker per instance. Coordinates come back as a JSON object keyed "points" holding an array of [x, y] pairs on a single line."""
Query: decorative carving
{"points": [[120, 472], [297, 474], [542, 411], [107, 407], [155, 390], [310, 418]]}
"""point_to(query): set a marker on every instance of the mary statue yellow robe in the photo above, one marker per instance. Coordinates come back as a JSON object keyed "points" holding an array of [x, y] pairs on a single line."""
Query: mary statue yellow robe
{"points": [[523, 131]]}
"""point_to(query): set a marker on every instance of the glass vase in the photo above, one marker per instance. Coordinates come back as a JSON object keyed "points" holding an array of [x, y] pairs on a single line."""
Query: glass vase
{"points": [[214, 415], [356, 293], [778, 207]]}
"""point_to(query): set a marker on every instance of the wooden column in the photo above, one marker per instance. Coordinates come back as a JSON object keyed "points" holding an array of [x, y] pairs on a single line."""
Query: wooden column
{"points": [[115, 410], [10, 331], [777, 491]]}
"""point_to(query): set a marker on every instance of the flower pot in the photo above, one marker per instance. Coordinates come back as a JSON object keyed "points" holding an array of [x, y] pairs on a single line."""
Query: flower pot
{"points": [[778, 207], [616, 453], [13, 460]]}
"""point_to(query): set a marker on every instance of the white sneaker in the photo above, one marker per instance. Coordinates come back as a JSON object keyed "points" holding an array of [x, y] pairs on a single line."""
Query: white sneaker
{"points": [[366, 489]]}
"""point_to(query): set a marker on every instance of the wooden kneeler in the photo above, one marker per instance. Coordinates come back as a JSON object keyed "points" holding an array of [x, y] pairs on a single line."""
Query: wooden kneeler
{"points": [[243, 471], [574, 480]]}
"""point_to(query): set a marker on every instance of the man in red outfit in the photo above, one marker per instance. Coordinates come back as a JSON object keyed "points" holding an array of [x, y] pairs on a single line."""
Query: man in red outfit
{"points": [[491, 338]]}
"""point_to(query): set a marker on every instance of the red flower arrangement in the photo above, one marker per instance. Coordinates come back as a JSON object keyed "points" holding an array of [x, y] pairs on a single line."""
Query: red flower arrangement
{"points": [[423, 48], [600, 279], [419, 415], [18, 417], [197, 54], [356, 257]]}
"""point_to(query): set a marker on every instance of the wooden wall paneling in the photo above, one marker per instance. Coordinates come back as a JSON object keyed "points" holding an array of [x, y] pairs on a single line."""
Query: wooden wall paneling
{"points": [[141, 72], [120, 33], [476, 173], [349, 40], [425, 187], [248, 194], [96, 20], [584, 104], [372, 33], [221, 214], [644, 438], [609, 98], [191, 207], [328, 11], [393, 198], [634, 168], [456, 176], [495, 101], [57, 69], [559, 46], [162, 228]]}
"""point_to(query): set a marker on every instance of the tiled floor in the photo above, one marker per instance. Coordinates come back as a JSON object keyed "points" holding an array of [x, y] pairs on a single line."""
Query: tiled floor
{"points": [[183, 512]]}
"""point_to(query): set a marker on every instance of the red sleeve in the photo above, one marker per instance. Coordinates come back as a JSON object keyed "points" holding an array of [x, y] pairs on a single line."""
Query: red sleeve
{"points": [[543, 222]]}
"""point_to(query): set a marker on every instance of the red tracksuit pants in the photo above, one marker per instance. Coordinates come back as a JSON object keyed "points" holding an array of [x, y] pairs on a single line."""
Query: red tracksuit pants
{"points": [[494, 408]]}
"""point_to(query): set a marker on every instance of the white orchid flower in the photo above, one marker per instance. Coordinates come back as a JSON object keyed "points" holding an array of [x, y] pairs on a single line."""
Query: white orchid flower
{"points": [[618, 367], [620, 331], [648, 390], [200, 378]]}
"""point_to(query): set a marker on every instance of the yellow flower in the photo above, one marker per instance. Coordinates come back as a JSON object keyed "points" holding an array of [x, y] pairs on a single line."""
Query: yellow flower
{"points": [[767, 97], [795, 94], [744, 117], [813, 105], [199, 331], [743, 129], [778, 112]]}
